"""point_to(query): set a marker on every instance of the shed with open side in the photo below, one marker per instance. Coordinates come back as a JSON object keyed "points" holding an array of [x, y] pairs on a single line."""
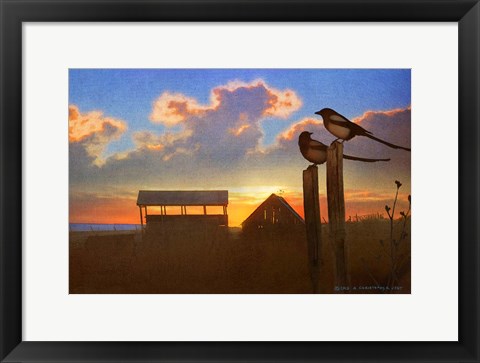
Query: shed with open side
{"points": [[182, 199]]}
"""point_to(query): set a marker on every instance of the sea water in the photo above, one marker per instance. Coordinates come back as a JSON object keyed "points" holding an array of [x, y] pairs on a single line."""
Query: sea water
{"points": [[84, 227]]}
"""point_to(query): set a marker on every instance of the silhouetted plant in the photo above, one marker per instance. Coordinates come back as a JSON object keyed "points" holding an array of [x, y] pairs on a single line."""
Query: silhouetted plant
{"points": [[394, 243], [405, 216]]}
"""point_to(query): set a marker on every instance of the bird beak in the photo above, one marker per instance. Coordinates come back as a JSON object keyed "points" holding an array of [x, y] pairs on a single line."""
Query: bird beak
{"points": [[317, 113], [310, 133]]}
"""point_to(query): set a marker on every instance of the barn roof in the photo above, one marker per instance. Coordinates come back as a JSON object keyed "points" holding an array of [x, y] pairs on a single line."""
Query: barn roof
{"points": [[289, 207], [282, 201], [182, 197]]}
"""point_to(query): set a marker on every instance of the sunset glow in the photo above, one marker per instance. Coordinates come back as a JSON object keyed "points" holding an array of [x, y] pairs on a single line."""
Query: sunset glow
{"points": [[236, 130]]}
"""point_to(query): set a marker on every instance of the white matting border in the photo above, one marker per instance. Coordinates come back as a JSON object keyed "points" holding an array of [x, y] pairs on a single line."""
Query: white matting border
{"points": [[429, 313]]}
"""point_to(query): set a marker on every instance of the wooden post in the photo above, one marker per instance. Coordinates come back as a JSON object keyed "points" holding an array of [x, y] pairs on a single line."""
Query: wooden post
{"points": [[313, 224], [336, 211], [141, 216], [163, 221]]}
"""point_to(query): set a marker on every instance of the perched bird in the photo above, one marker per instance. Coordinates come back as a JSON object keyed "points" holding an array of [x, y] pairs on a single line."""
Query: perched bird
{"points": [[316, 152], [344, 129]]}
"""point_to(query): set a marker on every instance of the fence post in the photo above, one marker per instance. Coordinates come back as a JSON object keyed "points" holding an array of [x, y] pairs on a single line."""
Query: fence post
{"points": [[313, 224], [336, 211]]}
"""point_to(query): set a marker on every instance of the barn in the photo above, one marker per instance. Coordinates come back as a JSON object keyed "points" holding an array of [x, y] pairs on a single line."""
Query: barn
{"points": [[182, 209], [274, 214]]}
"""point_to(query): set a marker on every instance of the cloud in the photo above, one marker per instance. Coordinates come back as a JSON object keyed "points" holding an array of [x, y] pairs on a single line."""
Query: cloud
{"points": [[390, 113], [240, 130], [220, 144], [297, 128], [222, 148], [393, 126], [171, 109], [93, 131], [219, 133], [156, 142]]}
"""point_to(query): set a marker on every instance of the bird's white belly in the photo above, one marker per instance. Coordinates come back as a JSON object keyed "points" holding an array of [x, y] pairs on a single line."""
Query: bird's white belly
{"points": [[339, 131], [316, 156]]}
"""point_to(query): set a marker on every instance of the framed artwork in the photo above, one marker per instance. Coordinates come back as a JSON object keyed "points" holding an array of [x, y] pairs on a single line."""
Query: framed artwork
{"points": [[212, 181], [175, 230]]}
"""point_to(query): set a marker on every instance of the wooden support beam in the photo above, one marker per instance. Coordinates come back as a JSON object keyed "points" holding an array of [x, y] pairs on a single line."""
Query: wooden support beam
{"points": [[336, 212], [313, 223], [141, 216]]}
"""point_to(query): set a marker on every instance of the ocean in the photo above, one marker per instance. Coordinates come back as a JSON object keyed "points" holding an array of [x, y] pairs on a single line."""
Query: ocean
{"points": [[84, 227]]}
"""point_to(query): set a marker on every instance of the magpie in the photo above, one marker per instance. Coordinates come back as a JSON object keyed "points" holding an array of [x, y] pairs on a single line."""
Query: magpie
{"points": [[344, 129], [316, 152]]}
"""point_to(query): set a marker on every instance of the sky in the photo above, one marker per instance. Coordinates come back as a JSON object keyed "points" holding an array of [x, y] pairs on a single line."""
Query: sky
{"points": [[234, 129]]}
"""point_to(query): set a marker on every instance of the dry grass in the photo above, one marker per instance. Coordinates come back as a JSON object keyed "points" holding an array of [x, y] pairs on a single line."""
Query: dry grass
{"points": [[224, 261]]}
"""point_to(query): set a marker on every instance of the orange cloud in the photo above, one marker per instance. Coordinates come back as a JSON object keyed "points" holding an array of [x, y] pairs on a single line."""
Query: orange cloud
{"points": [[149, 140], [81, 126], [179, 151], [392, 125], [390, 113], [279, 104], [171, 109], [146, 139], [94, 131], [240, 130], [164, 142], [294, 130]]}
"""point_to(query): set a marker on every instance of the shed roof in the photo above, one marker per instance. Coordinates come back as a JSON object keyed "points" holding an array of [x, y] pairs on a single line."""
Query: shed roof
{"points": [[182, 197]]}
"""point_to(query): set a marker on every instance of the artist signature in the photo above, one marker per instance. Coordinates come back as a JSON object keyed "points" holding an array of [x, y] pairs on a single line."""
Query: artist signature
{"points": [[368, 287]]}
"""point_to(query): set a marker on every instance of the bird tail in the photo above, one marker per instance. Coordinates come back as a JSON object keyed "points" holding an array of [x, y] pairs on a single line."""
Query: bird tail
{"points": [[348, 157], [386, 143]]}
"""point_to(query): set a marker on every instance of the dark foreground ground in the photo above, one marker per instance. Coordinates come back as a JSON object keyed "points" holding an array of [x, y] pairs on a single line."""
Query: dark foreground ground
{"points": [[227, 261]]}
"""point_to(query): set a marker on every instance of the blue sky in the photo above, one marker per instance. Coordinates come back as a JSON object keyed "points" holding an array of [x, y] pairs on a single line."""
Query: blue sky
{"points": [[128, 94], [235, 129]]}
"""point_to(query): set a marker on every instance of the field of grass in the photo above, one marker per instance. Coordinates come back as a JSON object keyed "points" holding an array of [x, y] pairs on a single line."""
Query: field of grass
{"points": [[224, 260]]}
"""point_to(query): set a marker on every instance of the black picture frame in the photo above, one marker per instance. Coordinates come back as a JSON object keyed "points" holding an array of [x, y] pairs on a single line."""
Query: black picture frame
{"points": [[14, 12]]}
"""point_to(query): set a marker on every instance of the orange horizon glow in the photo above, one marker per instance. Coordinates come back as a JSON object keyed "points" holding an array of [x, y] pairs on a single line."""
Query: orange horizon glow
{"points": [[125, 210]]}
